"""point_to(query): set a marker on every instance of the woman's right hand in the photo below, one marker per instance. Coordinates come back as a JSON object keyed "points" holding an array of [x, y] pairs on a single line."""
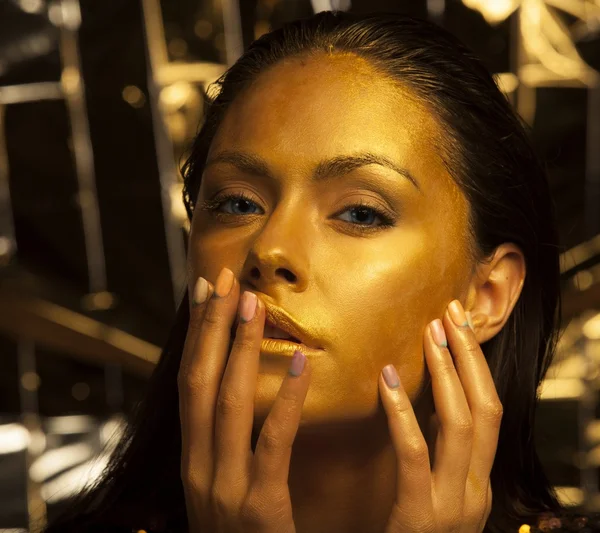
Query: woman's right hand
{"points": [[228, 489]]}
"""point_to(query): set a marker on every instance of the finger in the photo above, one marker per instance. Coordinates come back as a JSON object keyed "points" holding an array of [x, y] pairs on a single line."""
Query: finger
{"points": [[453, 443], [235, 405], [199, 387], [201, 295], [413, 471], [273, 451], [480, 392], [199, 298]]}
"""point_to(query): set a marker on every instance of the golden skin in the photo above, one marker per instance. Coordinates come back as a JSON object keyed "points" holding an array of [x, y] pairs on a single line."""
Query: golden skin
{"points": [[368, 296]]}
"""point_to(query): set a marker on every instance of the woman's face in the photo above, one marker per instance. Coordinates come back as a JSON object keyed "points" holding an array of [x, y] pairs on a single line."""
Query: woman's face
{"points": [[365, 290]]}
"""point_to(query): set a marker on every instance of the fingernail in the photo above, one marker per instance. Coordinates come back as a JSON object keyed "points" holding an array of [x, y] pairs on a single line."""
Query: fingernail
{"points": [[297, 365], [224, 283], [248, 306], [200, 291], [390, 377], [439, 335], [457, 314], [470, 321]]}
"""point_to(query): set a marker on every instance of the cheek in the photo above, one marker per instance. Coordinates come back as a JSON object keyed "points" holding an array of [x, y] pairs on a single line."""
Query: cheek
{"points": [[209, 252], [386, 317], [198, 263], [392, 332]]}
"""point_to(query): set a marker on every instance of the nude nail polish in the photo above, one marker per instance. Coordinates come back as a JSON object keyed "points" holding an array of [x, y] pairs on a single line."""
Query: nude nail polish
{"points": [[200, 291], [439, 335], [224, 283]]}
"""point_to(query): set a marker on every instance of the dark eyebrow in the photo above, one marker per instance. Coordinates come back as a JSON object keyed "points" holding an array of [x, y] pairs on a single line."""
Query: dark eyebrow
{"points": [[325, 170]]}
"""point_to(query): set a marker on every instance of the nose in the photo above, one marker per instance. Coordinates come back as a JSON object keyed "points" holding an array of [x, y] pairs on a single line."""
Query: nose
{"points": [[279, 257], [275, 272], [272, 274]]}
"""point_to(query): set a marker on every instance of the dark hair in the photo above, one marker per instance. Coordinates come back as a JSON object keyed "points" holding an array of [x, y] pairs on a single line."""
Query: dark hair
{"points": [[487, 151]]}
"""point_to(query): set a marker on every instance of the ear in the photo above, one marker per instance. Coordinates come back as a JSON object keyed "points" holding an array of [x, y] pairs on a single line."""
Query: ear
{"points": [[494, 290]]}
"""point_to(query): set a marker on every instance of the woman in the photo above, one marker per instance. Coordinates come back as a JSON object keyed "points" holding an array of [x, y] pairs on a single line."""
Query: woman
{"points": [[364, 178]]}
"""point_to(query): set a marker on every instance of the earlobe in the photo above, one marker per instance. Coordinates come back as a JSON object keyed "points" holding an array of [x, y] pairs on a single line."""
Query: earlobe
{"points": [[495, 290]]}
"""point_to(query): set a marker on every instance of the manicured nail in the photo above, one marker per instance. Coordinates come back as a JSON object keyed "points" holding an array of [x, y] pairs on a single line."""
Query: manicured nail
{"points": [[200, 291], [439, 335], [297, 365], [390, 377], [224, 283], [248, 306], [470, 321], [457, 314]]}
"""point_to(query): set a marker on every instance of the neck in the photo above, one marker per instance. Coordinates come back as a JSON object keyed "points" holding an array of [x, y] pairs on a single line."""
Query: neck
{"points": [[343, 481], [342, 478]]}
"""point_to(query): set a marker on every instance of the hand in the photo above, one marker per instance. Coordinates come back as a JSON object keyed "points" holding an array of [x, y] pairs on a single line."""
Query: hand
{"points": [[456, 497], [228, 489]]}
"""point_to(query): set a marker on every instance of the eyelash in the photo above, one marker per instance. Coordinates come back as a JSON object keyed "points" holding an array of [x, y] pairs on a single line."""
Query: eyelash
{"points": [[212, 207]]}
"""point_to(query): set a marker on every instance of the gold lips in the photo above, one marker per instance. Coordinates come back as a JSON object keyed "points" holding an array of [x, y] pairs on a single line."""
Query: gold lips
{"points": [[281, 347], [277, 317], [280, 319]]}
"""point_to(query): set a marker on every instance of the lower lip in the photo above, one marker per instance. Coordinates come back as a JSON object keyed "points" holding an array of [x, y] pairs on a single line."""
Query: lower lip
{"points": [[281, 347]]}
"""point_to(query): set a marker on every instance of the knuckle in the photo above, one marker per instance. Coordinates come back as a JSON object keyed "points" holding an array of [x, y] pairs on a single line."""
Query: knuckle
{"points": [[288, 399], [261, 508], [212, 315], [494, 412], [194, 383], [270, 440], [446, 366], [471, 348], [195, 325], [288, 405], [229, 483], [243, 343], [228, 403], [417, 452], [402, 408], [194, 483], [463, 426], [402, 517], [196, 319], [253, 513], [221, 504]]}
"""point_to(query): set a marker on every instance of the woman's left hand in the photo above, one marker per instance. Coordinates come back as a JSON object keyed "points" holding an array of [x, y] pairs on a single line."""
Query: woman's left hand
{"points": [[454, 494]]}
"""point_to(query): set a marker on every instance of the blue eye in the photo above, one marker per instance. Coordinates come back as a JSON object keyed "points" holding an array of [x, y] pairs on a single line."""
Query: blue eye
{"points": [[239, 201], [365, 213]]}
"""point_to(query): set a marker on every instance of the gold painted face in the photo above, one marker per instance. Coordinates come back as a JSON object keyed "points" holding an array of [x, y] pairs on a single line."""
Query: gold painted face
{"points": [[360, 255]]}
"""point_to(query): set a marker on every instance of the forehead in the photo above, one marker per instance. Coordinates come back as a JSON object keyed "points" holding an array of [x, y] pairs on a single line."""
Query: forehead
{"points": [[303, 110]]}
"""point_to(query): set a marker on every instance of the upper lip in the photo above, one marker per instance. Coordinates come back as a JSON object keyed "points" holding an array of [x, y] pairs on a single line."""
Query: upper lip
{"points": [[278, 317]]}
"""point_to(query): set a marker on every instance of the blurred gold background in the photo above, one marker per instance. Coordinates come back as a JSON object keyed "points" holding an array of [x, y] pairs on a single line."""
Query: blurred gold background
{"points": [[98, 104]]}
